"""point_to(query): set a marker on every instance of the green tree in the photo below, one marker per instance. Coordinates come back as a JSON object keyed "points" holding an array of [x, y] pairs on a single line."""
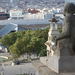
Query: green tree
{"points": [[60, 29], [12, 38], [17, 48], [26, 43], [43, 53], [43, 33], [37, 44], [20, 34], [9, 40], [20, 47], [5, 40]]}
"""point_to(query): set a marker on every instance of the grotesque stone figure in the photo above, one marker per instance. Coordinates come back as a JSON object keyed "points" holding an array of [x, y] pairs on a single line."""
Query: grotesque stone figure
{"points": [[65, 42]]}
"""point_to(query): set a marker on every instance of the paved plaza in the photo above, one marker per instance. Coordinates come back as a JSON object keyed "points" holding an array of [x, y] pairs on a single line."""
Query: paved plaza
{"points": [[16, 69]]}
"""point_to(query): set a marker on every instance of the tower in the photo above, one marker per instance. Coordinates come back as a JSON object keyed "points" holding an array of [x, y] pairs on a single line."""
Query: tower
{"points": [[52, 34], [53, 31]]}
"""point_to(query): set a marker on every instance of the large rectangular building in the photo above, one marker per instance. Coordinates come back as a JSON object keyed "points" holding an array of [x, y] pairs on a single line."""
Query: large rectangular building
{"points": [[4, 16], [16, 14]]}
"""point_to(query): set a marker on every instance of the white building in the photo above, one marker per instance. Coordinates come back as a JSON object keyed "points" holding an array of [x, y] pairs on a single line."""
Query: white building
{"points": [[33, 16], [55, 10], [13, 1], [19, 14], [38, 16], [16, 14], [70, 1]]}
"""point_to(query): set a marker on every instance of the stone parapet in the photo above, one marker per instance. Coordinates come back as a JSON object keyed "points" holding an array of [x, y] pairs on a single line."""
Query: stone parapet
{"points": [[60, 64], [41, 69]]}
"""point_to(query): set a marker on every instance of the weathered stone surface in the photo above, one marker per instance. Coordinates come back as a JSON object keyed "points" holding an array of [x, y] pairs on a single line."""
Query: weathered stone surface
{"points": [[68, 32], [67, 64], [44, 70], [51, 62], [60, 64]]}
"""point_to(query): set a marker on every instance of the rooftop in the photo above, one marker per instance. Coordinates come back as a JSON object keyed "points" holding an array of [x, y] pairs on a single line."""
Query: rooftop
{"points": [[27, 22], [53, 20]]}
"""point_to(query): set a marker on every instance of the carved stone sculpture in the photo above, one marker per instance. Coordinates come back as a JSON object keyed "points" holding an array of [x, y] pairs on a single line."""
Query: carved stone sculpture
{"points": [[65, 42], [63, 59]]}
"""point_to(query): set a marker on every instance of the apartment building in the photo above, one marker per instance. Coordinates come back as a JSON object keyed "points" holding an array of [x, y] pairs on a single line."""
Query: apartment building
{"points": [[16, 14]]}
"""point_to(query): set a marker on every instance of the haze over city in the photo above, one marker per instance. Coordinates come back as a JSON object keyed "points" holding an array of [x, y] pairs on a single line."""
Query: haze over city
{"points": [[28, 32]]}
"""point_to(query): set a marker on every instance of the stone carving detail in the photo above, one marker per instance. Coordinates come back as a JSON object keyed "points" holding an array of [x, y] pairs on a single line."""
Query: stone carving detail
{"points": [[65, 42]]}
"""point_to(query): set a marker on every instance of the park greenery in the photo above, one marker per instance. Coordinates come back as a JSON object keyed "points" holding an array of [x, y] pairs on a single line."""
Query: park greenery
{"points": [[30, 41], [26, 41]]}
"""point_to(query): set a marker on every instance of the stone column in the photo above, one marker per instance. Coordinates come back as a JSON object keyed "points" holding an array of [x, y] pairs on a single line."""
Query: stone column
{"points": [[51, 25], [56, 26], [47, 53]]}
